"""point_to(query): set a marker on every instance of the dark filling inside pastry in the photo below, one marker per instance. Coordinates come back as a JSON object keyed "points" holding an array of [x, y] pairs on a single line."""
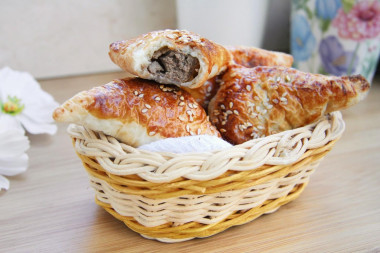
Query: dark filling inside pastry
{"points": [[173, 67]]}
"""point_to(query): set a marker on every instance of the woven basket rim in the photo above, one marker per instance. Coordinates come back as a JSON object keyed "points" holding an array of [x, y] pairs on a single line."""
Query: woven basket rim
{"points": [[282, 148]]}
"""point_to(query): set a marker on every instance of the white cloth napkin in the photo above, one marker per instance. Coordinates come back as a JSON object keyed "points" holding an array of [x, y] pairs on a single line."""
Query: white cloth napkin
{"points": [[187, 144]]}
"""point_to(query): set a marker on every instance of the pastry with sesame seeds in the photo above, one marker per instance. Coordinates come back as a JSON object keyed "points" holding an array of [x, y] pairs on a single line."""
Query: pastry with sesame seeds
{"points": [[245, 56], [174, 57], [137, 111], [252, 57], [257, 102]]}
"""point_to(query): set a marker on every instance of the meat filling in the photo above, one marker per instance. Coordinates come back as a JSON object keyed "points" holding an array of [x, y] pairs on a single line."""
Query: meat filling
{"points": [[169, 66]]}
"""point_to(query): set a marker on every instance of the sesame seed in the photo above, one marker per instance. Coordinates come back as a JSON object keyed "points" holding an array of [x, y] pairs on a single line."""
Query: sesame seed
{"points": [[248, 87], [135, 92], [195, 105], [181, 98], [191, 118], [231, 104], [144, 110], [181, 118], [249, 124], [257, 98], [287, 78], [189, 112], [260, 127], [278, 79], [283, 99], [216, 112], [152, 133], [181, 103], [223, 130], [164, 89], [228, 112], [255, 129], [141, 95], [284, 94], [157, 98], [275, 101], [222, 106], [254, 115], [187, 128], [224, 122], [148, 106], [191, 105], [269, 106], [192, 133], [209, 88], [199, 131], [264, 111], [236, 112], [161, 86]]}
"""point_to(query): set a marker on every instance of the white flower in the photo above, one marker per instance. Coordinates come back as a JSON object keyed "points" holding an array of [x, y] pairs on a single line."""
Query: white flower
{"points": [[23, 104], [13, 144], [23, 101]]}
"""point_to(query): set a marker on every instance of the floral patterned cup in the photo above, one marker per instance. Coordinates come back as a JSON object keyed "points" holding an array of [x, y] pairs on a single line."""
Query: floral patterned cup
{"points": [[336, 37]]}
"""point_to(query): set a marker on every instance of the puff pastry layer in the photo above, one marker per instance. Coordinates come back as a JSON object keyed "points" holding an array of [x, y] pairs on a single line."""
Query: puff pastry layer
{"points": [[256, 102], [174, 57], [137, 111]]}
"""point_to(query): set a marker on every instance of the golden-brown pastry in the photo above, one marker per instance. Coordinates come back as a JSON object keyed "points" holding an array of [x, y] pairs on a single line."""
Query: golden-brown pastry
{"points": [[246, 56], [257, 102], [137, 111], [252, 57], [174, 57], [206, 92]]}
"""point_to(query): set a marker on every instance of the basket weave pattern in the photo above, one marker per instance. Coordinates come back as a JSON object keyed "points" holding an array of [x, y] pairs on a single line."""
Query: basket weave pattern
{"points": [[174, 197]]}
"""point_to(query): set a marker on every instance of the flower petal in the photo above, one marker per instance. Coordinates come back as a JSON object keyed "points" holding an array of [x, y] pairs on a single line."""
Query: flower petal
{"points": [[38, 104], [13, 144], [14, 166], [9, 122], [4, 183], [34, 127]]}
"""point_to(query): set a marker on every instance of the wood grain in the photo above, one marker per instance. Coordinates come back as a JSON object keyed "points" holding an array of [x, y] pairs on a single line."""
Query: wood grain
{"points": [[50, 207]]}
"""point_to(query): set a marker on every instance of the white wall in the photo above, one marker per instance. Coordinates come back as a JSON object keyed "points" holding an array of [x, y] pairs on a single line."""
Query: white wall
{"points": [[54, 38], [51, 38]]}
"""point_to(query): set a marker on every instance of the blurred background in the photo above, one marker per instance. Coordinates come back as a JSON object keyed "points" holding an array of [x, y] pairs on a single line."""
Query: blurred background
{"points": [[53, 38]]}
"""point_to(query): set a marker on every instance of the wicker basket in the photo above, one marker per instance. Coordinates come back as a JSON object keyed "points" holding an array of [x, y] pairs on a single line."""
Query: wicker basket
{"points": [[176, 197]]}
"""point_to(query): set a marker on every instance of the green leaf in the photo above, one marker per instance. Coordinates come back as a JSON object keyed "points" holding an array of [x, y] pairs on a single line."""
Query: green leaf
{"points": [[299, 4], [347, 5], [324, 24], [309, 12]]}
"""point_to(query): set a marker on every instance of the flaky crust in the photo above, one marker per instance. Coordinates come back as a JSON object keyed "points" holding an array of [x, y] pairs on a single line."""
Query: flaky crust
{"points": [[134, 56], [206, 92], [137, 111], [252, 57], [245, 56], [257, 102]]}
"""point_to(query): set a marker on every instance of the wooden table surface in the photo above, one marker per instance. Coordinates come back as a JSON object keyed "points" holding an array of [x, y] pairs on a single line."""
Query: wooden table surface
{"points": [[50, 207]]}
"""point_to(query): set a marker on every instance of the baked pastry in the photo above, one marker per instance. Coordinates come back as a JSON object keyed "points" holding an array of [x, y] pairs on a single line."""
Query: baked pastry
{"points": [[206, 92], [252, 57], [257, 102], [246, 56], [174, 57], [137, 111]]}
